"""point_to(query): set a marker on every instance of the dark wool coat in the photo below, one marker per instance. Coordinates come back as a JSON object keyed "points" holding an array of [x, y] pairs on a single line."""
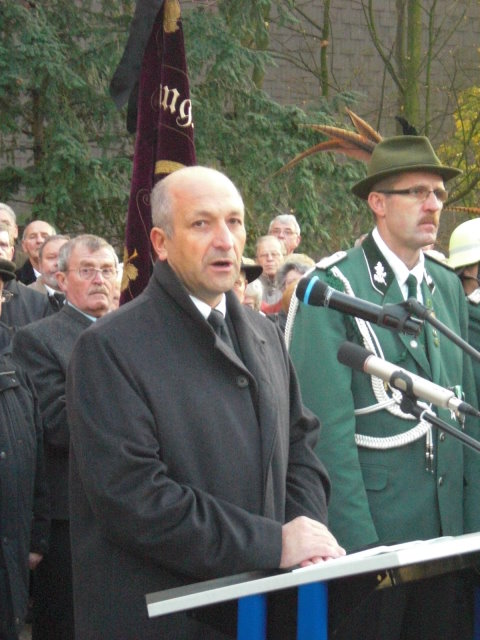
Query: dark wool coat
{"points": [[185, 461], [24, 519], [43, 348], [26, 305]]}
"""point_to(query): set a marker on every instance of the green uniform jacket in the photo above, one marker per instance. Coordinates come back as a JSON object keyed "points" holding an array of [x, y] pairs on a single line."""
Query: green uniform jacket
{"points": [[387, 496], [474, 331]]}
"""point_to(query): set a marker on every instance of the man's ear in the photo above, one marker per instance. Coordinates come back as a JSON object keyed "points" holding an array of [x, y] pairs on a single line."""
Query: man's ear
{"points": [[376, 202], [157, 238], [60, 276]]}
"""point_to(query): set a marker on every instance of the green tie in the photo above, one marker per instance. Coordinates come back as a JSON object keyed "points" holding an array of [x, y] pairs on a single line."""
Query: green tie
{"points": [[412, 284]]}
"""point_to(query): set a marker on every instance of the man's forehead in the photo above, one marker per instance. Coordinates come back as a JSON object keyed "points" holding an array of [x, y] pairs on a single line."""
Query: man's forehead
{"points": [[5, 218], [38, 227], [83, 255], [53, 246]]}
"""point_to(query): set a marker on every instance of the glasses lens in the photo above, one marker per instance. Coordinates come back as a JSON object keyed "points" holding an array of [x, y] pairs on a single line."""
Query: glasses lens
{"points": [[422, 193]]}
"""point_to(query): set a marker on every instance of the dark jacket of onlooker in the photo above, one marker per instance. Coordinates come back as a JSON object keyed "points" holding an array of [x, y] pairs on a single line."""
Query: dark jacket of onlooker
{"points": [[24, 519]]}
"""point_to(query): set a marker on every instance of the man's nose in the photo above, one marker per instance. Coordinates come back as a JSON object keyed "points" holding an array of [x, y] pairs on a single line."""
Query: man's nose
{"points": [[223, 235]]}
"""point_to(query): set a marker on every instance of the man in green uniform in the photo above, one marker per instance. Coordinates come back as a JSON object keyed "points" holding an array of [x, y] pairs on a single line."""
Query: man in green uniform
{"points": [[464, 258], [394, 479]]}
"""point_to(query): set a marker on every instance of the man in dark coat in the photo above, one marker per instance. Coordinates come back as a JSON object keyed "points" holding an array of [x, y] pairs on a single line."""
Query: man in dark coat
{"points": [[23, 496], [190, 458], [25, 305], [34, 235], [87, 271]]}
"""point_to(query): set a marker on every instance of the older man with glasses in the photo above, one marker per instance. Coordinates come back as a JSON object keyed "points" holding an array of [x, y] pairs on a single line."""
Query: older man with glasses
{"points": [[87, 268], [394, 479], [286, 228]]}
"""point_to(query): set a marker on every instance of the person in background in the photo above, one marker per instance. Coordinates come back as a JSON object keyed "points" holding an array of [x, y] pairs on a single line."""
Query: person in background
{"points": [[47, 282], [253, 295], [464, 258], [294, 267], [286, 228], [33, 237], [87, 268], [24, 305], [9, 218], [249, 272], [191, 452], [270, 254], [394, 477], [24, 517]]}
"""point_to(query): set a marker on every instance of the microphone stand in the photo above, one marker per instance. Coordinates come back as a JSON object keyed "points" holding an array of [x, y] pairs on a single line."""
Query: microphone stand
{"points": [[418, 309], [410, 405]]}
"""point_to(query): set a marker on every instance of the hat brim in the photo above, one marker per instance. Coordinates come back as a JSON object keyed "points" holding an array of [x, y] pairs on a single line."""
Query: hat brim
{"points": [[7, 270], [364, 187], [252, 271]]}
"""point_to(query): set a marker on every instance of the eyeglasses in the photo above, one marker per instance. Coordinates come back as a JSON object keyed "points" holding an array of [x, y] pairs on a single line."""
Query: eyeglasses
{"points": [[421, 193], [88, 273], [270, 254], [5, 296], [285, 232]]}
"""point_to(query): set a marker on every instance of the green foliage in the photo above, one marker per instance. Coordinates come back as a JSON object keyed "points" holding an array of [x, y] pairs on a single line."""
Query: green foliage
{"points": [[63, 148], [64, 151], [240, 130]]}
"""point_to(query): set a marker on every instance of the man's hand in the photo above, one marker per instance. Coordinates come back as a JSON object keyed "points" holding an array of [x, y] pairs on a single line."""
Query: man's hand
{"points": [[306, 541], [34, 560]]}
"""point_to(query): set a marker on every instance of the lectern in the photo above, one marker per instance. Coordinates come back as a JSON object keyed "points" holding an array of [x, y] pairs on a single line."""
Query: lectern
{"points": [[399, 563]]}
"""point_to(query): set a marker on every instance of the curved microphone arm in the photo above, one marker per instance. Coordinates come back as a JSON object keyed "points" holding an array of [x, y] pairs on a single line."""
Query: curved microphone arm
{"points": [[421, 311]]}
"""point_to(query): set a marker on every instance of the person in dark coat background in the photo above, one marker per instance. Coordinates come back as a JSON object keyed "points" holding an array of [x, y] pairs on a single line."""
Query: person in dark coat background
{"points": [[190, 458], [25, 305], [24, 518], [87, 267]]}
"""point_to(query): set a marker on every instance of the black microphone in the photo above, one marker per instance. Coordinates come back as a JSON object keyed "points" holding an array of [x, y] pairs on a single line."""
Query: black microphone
{"points": [[395, 317], [360, 359]]}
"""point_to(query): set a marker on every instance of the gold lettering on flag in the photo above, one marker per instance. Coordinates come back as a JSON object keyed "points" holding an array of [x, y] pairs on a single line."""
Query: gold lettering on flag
{"points": [[171, 16]]}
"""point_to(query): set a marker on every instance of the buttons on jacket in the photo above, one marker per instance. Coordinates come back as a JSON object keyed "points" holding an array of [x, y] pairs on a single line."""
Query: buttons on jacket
{"points": [[242, 382]]}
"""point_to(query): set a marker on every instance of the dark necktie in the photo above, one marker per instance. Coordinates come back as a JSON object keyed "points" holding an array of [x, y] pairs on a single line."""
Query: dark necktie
{"points": [[217, 322], [412, 284], [57, 300]]}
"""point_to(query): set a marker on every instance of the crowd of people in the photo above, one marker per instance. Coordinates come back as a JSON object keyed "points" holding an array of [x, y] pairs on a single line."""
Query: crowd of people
{"points": [[177, 438]]}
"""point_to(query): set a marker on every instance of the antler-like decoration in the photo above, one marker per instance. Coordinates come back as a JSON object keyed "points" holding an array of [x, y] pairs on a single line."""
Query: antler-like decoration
{"points": [[358, 145]]}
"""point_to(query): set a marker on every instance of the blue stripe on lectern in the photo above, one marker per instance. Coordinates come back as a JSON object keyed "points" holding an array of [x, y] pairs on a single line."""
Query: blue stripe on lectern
{"points": [[312, 612], [252, 618]]}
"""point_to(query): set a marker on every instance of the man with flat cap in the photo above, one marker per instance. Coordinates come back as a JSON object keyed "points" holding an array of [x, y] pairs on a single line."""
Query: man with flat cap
{"points": [[394, 479]]}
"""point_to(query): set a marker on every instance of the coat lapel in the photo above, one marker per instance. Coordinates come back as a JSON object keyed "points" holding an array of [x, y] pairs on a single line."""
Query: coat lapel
{"points": [[383, 280], [254, 353]]}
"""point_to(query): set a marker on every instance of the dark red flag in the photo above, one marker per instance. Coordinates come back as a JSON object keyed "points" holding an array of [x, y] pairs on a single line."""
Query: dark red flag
{"points": [[164, 140]]}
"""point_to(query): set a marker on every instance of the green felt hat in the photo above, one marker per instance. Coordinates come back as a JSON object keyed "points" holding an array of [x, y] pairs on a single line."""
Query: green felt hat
{"points": [[399, 155]]}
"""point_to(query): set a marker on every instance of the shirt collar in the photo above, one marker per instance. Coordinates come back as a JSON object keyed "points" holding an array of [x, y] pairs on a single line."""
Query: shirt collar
{"points": [[92, 318], [205, 308], [398, 267]]}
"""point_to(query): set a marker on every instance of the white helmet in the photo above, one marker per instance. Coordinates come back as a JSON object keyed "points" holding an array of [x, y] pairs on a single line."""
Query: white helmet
{"points": [[464, 248]]}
